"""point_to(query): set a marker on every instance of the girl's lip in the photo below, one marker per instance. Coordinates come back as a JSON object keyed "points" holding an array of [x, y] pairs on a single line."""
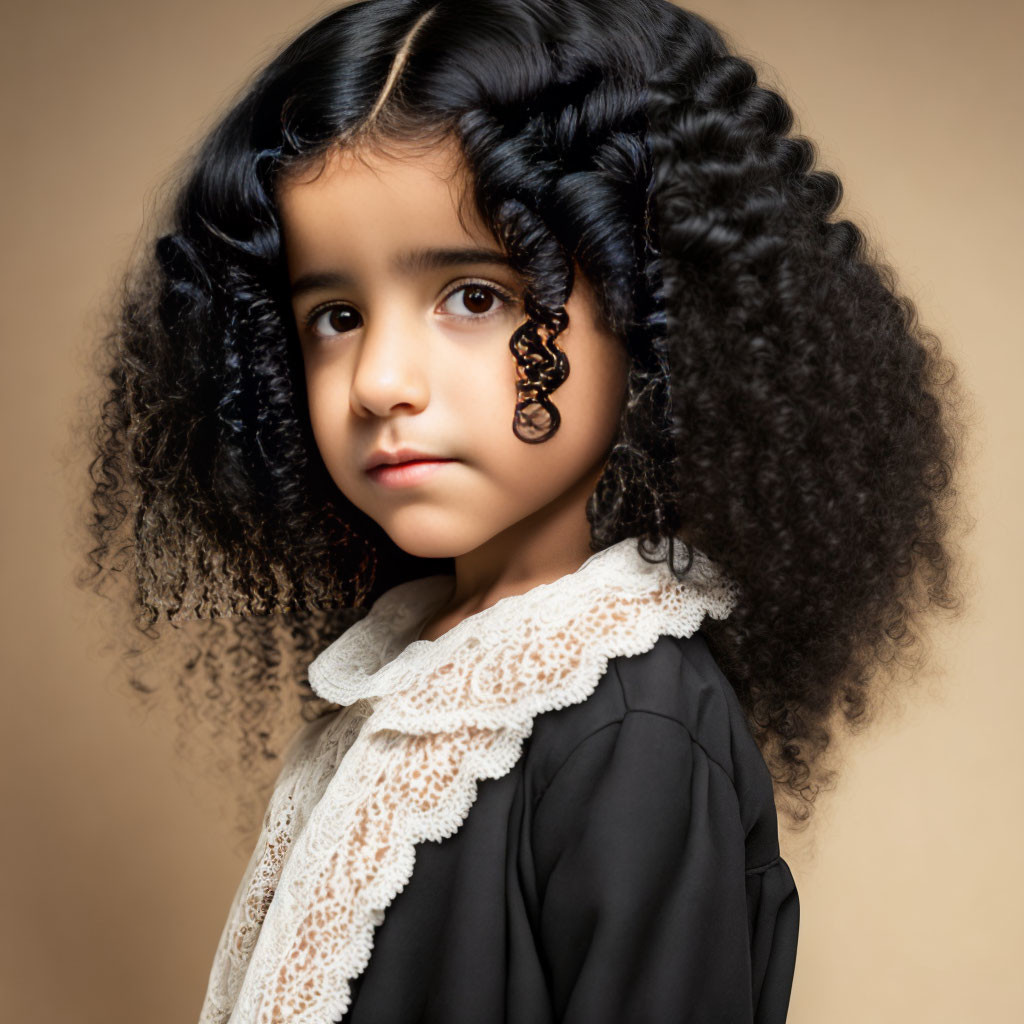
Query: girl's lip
{"points": [[404, 474]]}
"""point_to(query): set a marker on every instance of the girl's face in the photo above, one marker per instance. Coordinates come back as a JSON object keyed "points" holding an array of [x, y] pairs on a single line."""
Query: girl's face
{"points": [[405, 341]]}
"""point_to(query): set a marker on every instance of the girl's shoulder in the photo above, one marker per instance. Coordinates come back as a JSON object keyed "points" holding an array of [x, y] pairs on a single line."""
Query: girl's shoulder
{"points": [[676, 694], [678, 678]]}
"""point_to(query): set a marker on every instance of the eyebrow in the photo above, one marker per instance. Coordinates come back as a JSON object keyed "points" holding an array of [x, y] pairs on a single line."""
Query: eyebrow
{"points": [[407, 264]]}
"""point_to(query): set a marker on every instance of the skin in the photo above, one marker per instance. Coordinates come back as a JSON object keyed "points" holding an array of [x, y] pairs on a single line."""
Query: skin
{"points": [[410, 359]]}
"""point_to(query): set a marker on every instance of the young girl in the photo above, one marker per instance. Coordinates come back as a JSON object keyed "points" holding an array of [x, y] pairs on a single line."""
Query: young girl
{"points": [[505, 355]]}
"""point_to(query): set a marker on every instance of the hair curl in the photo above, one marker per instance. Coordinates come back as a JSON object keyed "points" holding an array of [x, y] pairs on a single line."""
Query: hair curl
{"points": [[786, 413]]}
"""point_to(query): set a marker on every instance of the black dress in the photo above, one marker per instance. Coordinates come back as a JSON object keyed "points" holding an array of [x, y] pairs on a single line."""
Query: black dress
{"points": [[626, 870]]}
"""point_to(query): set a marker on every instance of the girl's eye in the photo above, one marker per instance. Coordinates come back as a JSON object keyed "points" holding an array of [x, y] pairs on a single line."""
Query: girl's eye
{"points": [[478, 299], [338, 318]]}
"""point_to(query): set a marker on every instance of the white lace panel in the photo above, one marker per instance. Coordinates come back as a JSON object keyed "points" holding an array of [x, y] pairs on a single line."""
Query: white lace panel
{"points": [[422, 723]]}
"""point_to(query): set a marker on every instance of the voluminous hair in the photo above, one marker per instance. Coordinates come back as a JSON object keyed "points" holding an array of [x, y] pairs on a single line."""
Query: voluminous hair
{"points": [[786, 413]]}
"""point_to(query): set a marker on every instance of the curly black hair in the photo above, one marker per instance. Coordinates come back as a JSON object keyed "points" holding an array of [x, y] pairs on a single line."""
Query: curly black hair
{"points": [[786, 412]]}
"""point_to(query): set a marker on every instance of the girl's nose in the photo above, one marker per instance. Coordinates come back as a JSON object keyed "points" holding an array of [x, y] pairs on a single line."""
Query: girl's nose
{"points": [[390, 368]]}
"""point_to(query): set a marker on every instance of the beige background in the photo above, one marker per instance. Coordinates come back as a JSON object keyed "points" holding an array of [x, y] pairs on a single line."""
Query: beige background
{"points": [[118, 866]]}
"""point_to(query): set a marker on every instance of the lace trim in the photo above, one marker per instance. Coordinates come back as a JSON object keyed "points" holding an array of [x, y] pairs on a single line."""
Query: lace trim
{"points": [[425, 722]]}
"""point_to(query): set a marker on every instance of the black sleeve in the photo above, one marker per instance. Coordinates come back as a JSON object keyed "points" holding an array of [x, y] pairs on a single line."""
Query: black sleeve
{"points": [[639, 852]]}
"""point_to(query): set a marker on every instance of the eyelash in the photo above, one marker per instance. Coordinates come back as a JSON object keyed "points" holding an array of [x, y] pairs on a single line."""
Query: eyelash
{"points": [[317, 311]]}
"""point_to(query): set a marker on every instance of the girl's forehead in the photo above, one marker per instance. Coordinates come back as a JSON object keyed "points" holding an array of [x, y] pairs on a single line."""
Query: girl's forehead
{"points": [[406, 198], [394, 160], [416, 180]]}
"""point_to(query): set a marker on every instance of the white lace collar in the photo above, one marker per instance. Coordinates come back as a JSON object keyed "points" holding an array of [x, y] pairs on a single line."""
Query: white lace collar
{"points": [[422, 722]]}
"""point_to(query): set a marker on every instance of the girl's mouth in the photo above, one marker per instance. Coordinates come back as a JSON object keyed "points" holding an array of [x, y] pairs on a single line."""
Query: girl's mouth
{"points": [[405, 474]]}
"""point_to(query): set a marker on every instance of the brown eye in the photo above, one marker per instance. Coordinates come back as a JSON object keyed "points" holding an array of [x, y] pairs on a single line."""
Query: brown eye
{"points": [[479, 301], [334, 319]]}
